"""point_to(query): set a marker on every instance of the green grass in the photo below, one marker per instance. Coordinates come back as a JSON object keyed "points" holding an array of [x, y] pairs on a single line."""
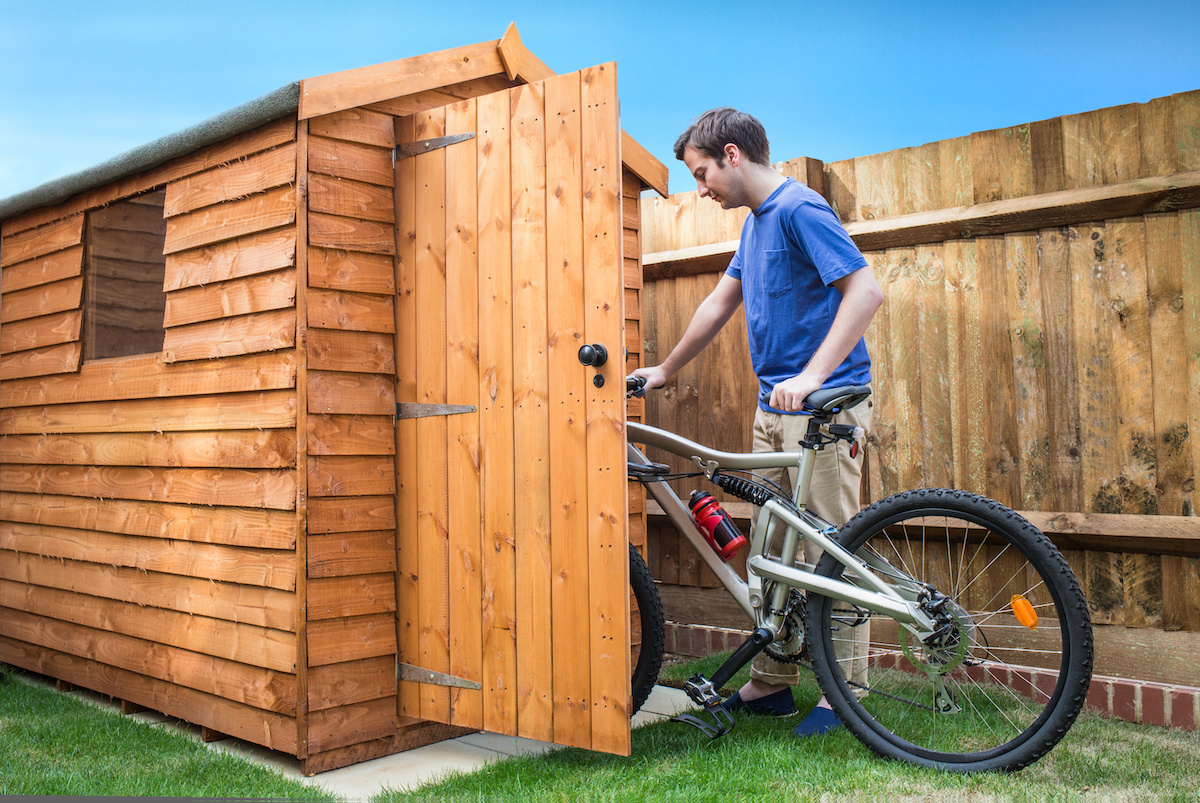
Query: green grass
{"points": [[761, 760], [57, 744]]}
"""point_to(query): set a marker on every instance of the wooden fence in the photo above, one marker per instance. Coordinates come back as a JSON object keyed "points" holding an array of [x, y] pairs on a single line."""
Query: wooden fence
{"points": [[1040, 344]]}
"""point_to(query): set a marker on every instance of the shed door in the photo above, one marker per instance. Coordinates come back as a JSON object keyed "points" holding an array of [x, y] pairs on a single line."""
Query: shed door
{"points": [[512, 568]]}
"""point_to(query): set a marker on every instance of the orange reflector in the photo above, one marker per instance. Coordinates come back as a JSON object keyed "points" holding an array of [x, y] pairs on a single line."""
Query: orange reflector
{"points": [[1024, 612]]}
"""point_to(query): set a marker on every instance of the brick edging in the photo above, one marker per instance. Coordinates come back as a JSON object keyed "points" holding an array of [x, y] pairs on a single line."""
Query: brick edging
{"points": [[1140, 701]]}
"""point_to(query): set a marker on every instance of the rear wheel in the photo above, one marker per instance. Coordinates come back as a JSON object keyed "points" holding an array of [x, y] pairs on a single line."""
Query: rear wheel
{"points": [[1008, 667], [648, 649]]}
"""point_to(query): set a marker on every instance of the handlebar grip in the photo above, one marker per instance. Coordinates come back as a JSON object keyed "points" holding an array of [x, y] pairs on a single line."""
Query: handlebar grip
{"points": [[635, 386]]}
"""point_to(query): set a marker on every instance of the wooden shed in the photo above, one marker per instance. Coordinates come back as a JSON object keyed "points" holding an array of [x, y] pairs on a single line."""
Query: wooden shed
{"points": [[294, 440]]}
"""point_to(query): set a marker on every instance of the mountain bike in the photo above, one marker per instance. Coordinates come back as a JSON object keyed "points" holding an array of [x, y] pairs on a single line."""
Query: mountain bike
{"points": [[979, 638]]}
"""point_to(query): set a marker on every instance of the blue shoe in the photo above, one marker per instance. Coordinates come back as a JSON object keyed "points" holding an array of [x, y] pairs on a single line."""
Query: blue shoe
{"points": [[818, 722], [779, 704]]}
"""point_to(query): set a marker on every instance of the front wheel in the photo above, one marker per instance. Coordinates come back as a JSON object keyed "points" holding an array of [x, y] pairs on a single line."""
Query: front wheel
{"points": [[648, 639], [1008, 667]]}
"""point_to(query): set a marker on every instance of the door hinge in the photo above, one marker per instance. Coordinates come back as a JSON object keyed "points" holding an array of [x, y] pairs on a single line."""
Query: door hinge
{"points": [[406, 150], [411, 410], [417, 674]]}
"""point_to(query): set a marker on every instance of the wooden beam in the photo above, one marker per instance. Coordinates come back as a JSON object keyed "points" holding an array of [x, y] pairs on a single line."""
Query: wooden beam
{"points": [[338, 91], [1028, 213], [1062, 208], [652, 172], [1099, 532], [712, 258], [512, 52]]}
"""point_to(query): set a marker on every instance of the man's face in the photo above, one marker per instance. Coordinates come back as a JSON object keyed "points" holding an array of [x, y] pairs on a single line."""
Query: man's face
{"points": [[714, 179]]}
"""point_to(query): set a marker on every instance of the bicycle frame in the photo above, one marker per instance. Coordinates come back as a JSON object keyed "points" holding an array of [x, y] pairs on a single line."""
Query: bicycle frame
{"points": [[862, 588]]}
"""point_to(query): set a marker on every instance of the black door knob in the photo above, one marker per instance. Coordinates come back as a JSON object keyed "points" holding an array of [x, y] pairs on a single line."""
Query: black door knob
{"points": [[594, 355]]}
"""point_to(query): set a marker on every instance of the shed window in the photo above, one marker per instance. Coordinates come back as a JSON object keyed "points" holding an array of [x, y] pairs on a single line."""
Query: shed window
{"points": [[124, 270]]}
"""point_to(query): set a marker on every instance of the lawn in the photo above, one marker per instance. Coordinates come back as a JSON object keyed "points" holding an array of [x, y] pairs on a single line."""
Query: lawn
{"points": [[57, 744]]}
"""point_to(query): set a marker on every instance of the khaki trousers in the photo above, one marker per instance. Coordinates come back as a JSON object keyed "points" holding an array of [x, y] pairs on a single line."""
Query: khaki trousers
{"points": [[834, 496]]}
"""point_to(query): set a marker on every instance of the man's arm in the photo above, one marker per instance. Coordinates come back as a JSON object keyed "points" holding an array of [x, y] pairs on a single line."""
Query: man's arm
{"points": [[712, 314], [861, 296]]}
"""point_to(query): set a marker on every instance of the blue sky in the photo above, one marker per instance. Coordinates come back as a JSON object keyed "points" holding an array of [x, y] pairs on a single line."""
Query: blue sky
{"points": [[84, 81]]}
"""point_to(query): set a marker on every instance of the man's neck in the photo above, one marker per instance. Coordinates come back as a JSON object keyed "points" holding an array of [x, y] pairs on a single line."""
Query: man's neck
{"points": [[761, 181]]}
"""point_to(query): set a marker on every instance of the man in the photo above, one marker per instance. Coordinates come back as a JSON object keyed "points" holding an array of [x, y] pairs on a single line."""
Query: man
{"points": [[809, 297]]}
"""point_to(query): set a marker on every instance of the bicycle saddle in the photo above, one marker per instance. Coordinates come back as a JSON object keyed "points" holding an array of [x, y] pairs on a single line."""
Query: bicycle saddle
{"points": [[833, 400]]}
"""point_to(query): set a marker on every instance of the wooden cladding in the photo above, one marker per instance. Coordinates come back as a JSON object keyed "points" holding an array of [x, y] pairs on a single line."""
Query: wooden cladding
{"points": [[148, 504], [349, 437]]}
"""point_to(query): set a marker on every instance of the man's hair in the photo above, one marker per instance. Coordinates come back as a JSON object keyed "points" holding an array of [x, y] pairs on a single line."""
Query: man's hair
{"points": [[712, 131]]}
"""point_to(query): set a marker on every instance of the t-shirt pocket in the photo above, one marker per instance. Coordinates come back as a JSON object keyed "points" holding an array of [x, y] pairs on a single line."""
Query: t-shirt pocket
{"points": [[778, 273]]}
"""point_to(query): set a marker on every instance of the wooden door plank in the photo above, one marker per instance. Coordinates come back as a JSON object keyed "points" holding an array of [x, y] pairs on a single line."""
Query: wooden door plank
{"points": [[568, 414], [432, 495], [462, 387], [496, 423], [535, 683], [608, 563]]}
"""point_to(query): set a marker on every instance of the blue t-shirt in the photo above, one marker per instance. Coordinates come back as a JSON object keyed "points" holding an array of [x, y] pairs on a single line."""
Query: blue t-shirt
{"points": [[792, 249]]}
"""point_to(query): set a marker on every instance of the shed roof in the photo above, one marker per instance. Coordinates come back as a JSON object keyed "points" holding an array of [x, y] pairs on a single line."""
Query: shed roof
{"points": [[402, 86]]}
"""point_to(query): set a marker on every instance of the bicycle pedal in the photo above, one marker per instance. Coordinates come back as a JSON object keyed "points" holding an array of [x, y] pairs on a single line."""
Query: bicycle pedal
{"points": [[701, 691]]}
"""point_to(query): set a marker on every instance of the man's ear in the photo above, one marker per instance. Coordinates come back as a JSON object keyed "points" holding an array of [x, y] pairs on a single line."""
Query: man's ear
{"points": [[733, 155]]}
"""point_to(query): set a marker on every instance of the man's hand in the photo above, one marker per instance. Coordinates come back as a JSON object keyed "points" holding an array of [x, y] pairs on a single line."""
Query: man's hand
{"points": [[789, 395], [654, 375]]}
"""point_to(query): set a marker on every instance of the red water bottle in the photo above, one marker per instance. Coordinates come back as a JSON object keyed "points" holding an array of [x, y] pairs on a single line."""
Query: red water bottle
{"points": [[716, 525]]}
